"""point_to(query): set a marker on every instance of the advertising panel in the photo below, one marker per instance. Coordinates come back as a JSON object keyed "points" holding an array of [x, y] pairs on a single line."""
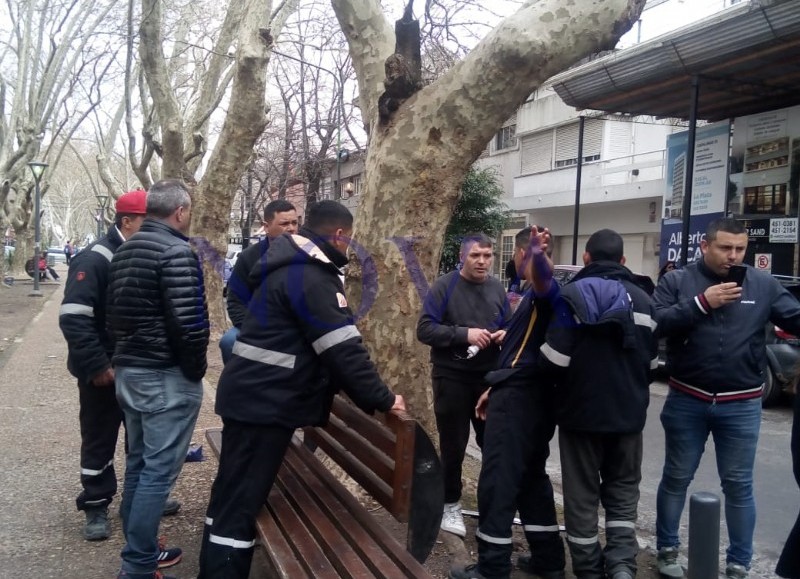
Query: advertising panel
{"points": [[766, 164], [709, 191], [765, 167]]}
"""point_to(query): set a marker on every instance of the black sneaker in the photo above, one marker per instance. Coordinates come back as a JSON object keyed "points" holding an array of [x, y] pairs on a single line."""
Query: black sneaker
{"points": [[171, 507], [168, 557], [525, 563], [471, 571], [97, 527], [468, 572]]}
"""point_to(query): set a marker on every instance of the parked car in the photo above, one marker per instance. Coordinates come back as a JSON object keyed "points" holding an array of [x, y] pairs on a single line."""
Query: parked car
{"points": [[783, 354], [55, 255]]}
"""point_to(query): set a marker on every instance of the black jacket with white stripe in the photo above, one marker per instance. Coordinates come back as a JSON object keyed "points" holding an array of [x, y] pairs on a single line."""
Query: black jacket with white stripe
{"points": [[82, 317], [298, 344], [601, 350]]}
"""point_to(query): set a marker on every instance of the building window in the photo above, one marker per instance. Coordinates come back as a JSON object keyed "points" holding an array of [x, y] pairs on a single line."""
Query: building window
{"points": [[769, 199], [506, 253], [567, 143], [558, 148], [569, 162], [506, 138]]}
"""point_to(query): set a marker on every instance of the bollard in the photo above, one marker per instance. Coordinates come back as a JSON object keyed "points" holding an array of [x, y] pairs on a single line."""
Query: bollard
{"points": [[704, 536]]}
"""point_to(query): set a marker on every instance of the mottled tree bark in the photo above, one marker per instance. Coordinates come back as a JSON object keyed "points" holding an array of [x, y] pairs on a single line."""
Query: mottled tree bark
{"points": [[417, 160]]}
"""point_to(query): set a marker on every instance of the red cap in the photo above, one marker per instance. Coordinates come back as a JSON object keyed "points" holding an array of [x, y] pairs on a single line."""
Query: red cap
{"points": [[133, 202]]}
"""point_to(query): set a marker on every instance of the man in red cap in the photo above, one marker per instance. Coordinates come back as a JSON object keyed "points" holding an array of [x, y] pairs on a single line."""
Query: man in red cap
{"points": [[82, 319]]}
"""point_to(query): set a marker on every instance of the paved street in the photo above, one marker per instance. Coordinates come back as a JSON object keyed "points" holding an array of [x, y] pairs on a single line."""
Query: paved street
{"points": [[777, 496]]}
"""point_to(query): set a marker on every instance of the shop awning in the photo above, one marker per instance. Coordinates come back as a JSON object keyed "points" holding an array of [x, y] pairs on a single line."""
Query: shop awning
{"points": [[746, 57]]}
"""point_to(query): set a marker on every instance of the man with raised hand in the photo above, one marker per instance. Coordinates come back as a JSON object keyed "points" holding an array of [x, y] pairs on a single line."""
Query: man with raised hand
{"points": [[520, 421]]}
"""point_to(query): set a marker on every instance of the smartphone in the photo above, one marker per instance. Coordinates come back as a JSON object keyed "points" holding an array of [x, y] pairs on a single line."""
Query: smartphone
{"points": [[736, 273]]}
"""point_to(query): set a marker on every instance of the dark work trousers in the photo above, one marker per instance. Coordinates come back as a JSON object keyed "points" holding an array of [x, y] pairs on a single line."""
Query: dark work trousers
{"points": [[100, 418], [601, 468], [789, 562], [248, 464], [520, 422], [454, 400]]}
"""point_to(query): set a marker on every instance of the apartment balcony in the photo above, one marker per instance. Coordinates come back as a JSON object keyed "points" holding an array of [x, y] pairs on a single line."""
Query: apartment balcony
{"points": [[623, 178]]}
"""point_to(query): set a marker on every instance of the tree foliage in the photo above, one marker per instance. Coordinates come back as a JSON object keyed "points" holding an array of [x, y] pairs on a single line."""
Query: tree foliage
{"points": [[479, 209]]}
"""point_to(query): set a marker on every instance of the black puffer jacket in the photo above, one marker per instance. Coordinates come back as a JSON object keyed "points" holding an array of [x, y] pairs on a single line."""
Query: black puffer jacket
{"points": [[83, 312], [298, 344], [156, 302]]}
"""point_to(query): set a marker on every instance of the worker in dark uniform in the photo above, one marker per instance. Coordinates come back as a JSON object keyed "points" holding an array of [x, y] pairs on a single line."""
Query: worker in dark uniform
{"points": [[280, 217], [83, 322], [520, 422], [298, 346]]}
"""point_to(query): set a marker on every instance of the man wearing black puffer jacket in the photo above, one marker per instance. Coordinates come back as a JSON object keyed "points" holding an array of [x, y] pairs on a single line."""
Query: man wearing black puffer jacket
{"points": [[601, 351], [157, 311], [298, 346]]}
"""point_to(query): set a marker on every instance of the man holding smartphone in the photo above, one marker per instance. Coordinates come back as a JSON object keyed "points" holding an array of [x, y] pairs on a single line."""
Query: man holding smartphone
{"points": [[713, 313]]}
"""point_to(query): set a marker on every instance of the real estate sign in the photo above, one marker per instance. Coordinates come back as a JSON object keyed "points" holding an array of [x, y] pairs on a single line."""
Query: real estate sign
{"points": [[709, 188], [765, 171]]}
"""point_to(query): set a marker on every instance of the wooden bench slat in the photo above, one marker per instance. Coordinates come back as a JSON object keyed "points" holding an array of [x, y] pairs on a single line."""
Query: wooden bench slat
{"points": [[312, 472], [362, 448], [381, 491], [324, 554], [281, 555], [346, 543], [365, 425]]}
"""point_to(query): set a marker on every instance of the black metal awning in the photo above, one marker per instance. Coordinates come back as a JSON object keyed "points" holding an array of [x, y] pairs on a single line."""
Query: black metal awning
{"points": [[746, 59]]}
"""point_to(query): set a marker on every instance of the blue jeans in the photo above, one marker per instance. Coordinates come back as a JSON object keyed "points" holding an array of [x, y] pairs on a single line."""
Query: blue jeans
{"points": [[735, 426], [226, 343], [161, 407]]}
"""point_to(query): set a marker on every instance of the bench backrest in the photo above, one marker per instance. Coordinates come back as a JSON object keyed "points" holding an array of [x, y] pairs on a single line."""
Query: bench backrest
{"points": [[394, 460]]}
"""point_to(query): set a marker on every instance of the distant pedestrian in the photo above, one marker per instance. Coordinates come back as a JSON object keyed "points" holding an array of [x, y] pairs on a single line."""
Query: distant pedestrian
{"points": [[280, 217], [46, 268], [716, 357], [158, 313], [463, 321], [82, 319], [601, 350], [665, 269], [68, 251]]}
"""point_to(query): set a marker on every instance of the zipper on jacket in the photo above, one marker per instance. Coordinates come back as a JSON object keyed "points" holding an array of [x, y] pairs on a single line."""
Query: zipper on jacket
{"points": [[714, 400]]}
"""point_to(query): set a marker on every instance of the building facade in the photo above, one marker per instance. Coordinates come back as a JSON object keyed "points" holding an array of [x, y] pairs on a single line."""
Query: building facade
{"points": [[536, 154]]}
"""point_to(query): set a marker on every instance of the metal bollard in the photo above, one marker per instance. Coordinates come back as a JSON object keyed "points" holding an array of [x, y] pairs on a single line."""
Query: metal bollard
{"points": [[704, 536]]}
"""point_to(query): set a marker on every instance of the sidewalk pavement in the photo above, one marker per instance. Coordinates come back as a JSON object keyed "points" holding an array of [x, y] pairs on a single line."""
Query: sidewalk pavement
{"points": [[40, 528]]}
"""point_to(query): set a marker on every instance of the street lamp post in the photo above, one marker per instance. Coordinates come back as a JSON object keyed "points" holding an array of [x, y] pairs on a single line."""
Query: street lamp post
{"points": [[102, 202], [38, 170]]}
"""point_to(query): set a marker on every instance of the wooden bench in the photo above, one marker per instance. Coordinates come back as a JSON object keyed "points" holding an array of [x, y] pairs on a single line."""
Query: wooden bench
{"points": [[312, 527]]}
